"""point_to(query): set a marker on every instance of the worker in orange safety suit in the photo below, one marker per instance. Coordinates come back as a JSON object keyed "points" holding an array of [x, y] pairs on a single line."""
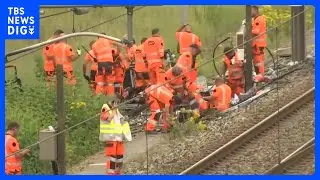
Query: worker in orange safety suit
{"points": [[48, 62], [221, 96], [185, 89], [13, 154], [185, 38], [187, 61], [141, 67], [120, 65], [90, 59], [159, 98], [154, 49], [64, 54], [105, 78], [113, 132], [259, 42], [234, 66]]}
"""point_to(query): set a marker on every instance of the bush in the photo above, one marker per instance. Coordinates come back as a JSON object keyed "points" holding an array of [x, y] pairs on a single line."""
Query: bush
{"points": [[35, 109]]}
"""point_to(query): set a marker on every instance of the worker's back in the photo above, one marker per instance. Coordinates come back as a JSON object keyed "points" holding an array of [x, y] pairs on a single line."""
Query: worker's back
{"points": [[154, 50], [63, 53], [103, 50], [185, 39]]}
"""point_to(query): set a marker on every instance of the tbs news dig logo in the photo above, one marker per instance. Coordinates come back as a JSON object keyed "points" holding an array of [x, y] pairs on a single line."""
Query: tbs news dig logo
{"points": [[19, 23]]}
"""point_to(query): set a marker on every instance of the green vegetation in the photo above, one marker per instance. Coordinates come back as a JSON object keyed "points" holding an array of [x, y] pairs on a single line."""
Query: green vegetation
{"points": [[35, 108]]}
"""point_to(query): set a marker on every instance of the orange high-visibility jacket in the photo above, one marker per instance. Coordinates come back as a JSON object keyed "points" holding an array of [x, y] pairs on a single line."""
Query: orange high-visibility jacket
{"points": [[161, 94], [259, 27], [222, 97], [89, 59], [62, 54], [102, 50], [154, 50], [12, 164], [185, 61], [140, 61], [185, 39], [177, 84], [235, 67]]}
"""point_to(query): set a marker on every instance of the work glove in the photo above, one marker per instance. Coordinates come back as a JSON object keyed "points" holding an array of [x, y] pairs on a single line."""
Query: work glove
{"points": [[78, 51], [243, 22], [233, 61]]}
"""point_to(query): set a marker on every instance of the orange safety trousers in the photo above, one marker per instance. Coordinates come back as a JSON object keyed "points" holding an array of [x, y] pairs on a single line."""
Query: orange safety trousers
{"points": [[237, 86], [70, 78], [157, 73], [258, 60], [50, 78], [114, 151], [105, 84], [156, 115]]}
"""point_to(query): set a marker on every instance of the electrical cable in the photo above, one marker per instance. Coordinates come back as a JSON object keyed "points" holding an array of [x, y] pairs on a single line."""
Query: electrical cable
{"points": [[56, 14], [156, 86], [107, 21]]}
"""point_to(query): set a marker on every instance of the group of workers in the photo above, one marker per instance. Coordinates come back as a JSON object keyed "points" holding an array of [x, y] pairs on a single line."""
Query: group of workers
{"points": [[164, 90]]}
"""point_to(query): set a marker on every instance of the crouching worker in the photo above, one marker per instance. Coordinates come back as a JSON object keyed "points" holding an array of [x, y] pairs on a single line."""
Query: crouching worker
{"points": [[113, 132], [159, 99], [221, 96]]}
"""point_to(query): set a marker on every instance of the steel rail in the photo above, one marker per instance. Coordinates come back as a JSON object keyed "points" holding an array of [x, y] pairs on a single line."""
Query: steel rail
{"points": [[250, 133], [302, 151]]}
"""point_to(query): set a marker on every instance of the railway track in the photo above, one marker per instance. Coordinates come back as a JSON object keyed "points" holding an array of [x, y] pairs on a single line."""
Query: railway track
{"points": [[300, 161], [261, 142]]}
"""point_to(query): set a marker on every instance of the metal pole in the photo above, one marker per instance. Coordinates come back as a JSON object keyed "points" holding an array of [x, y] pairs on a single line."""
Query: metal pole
{"points": [[184, 14], [61, 139], [129, 22], [248, 51], [298, 33]]}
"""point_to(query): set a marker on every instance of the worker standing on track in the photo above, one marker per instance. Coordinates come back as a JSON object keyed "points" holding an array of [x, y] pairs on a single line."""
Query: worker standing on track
{"points": [[65, 55], [141, 67], [154, 49], [259, 42], [113, 132], [221, 96], [105, 78], [13, 163], [187, 61], [234, 66], [159, 101], [90, 59]]}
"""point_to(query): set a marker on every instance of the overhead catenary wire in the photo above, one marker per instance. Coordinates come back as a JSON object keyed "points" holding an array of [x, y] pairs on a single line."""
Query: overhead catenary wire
{"points": [[114, 18], [156, 86], [101, 23], [55, 14]]}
